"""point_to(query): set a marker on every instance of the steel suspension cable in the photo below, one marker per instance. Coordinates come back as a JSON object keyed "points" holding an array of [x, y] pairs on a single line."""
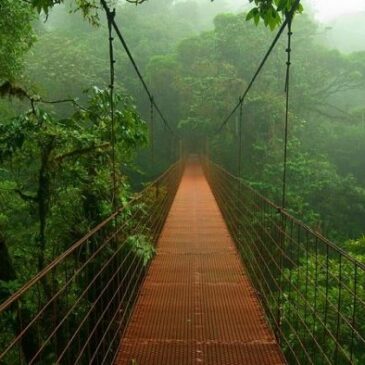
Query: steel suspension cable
{"points": [[152, 130], [110, 16], [240, 138], [135, 66], [287, 89], [285, 168], [262, 64], [239, 190]]}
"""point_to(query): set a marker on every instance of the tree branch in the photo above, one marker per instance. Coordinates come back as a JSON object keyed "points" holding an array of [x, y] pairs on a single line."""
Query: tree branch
{"points": [[136, 2], [80, 151], [26, 197]]}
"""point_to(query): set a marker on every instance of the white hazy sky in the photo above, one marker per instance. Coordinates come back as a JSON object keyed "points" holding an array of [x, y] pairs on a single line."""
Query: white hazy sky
{"points": [[324, 10], [327, 10]]}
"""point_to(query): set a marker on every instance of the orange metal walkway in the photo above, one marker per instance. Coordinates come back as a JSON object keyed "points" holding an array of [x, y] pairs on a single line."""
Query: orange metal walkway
{"points": [[196, 305]]}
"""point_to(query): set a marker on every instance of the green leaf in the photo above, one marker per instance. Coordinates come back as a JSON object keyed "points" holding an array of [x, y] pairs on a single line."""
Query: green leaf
{"points": [[282, 4], [251, 13]]}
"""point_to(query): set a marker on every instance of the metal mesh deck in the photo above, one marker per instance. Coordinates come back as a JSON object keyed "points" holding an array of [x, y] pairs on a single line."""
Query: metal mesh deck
{"points": [[197, 305]]}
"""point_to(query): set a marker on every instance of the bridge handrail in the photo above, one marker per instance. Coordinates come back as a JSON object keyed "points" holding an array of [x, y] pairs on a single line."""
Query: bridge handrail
{"points": [[298, 222], [15, 296], [91, 287], [311, 289]]}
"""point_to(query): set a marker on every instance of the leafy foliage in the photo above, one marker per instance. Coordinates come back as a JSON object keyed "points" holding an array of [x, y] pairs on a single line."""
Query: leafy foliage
{"points": [[60, 169], [140, 245], [316, 280], [272, 11], [17, 37], [56, 160]]}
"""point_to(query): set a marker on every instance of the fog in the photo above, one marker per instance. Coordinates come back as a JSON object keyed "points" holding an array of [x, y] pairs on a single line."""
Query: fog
{"points": [[81, 132], [197, 61], [342, 22]]}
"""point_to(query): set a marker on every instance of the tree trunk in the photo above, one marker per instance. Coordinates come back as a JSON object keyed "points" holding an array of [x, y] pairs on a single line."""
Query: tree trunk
{"points": [[43, 198], [28, 342]]}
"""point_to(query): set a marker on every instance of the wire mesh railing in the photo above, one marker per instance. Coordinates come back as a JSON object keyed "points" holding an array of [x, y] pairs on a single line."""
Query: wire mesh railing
{"points": [[313, 292], [74, 311]]}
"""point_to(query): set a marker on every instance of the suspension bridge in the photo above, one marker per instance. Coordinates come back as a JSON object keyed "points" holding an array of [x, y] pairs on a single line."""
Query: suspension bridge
{"points": [[235, 280]]}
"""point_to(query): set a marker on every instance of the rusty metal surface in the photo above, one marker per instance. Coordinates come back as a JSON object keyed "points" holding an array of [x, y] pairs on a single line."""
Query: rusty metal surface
{"points": [[196, 305]]}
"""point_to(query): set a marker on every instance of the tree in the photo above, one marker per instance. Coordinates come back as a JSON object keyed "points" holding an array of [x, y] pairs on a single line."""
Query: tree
{"points": [[17, 37], [272, 11], [44, 157]]}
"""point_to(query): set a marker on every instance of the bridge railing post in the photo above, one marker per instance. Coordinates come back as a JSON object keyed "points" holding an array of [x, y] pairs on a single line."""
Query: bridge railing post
{"points": [[310, 288]]}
